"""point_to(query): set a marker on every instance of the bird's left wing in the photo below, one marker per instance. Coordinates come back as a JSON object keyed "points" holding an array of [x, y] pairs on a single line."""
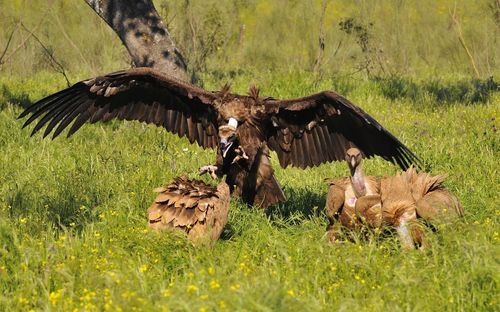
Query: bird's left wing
{"points": [[308, 131], [141, 94]]}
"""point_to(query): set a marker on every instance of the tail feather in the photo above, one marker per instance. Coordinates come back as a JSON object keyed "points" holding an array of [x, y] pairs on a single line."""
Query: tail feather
{"points": [[261, 187], [269, 193]]}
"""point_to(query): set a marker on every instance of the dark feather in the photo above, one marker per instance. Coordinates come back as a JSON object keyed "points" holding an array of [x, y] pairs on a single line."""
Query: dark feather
{"points": [[346, 125], [140, 94]]}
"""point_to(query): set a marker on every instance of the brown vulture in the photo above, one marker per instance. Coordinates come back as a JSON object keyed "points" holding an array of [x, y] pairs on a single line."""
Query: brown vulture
{"points": [[304, 132], [198, 209], [373, 201], [396, 201]]}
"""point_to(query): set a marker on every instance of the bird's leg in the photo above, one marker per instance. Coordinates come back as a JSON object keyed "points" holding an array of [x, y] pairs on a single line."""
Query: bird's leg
{"points": [[404, 236], [211, 169], [404, 229], [240, 154]]}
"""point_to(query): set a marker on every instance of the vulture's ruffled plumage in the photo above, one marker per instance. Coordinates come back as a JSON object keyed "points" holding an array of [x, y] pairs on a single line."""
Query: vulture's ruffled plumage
{"points": [[198, 209], [396, 201]]}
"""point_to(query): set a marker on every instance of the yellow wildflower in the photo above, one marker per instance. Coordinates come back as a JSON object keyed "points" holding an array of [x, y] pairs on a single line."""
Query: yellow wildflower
{"points": [[54, 296], [23, 300], [235, 287], [167, 293], [222, 304], [214, 284]]}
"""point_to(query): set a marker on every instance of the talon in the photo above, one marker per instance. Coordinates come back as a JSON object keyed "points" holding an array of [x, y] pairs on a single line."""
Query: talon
{"points": [[236, 159], [210, 169], [241, 152]]}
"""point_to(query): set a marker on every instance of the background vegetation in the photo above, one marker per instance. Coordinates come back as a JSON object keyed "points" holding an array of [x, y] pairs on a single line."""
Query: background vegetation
{"points": [[72, 211]]}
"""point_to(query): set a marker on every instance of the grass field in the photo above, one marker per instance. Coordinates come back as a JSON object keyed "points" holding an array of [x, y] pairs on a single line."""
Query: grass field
{"points": [[73, 229], [73, 233]]}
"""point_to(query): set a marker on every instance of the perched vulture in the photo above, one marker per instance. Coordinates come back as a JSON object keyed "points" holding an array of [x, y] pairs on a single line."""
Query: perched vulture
{"points": [[198, 209], [304, 132]]}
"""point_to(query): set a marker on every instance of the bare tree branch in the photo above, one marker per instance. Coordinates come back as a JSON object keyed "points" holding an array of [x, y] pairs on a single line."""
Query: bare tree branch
{"points": [[8, 42], [23, 42], [458, 30], [58, 66]]}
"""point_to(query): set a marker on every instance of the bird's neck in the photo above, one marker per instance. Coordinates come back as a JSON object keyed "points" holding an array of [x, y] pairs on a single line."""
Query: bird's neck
{"points": [[358, 181]]}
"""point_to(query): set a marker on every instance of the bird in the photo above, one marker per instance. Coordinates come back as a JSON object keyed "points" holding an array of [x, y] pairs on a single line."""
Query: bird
{"points": [[353, 200], [198, 209], [304, 132], [376, 202], [397, 201]]}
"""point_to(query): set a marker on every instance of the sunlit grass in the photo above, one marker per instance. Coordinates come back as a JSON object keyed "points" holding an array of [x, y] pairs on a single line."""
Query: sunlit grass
{"points": [[73, 222]]}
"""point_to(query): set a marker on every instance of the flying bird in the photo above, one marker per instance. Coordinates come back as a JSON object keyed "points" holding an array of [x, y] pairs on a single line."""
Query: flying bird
{"points": [[304, 132]]}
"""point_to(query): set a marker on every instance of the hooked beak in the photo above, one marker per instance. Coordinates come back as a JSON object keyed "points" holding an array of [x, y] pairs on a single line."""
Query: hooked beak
{"points": [[353, 162], [224, 146]]}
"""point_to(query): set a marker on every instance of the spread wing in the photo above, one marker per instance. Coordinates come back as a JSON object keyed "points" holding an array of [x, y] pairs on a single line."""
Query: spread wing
{"points": [[320, 128], [141, 94]]}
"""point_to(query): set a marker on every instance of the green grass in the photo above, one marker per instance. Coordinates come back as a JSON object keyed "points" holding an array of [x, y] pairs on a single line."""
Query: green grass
{"points": [[73, 218]]}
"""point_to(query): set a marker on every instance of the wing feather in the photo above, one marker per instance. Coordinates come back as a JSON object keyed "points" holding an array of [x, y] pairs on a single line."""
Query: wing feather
{"points": [[141, 94], [323, 126]]}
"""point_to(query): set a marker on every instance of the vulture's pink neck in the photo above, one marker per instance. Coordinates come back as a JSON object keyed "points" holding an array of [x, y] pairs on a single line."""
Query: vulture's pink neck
{"points": [[358, 181]]}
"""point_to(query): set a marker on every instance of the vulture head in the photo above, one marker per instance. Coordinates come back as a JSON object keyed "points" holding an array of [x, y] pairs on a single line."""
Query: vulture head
{"points": [[228, 137], [353, 157]]}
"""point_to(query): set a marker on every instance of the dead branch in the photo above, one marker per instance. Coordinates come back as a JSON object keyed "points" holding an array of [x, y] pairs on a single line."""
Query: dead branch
{"points": [[23, 42], [8, 43], [321, 38], [458, 30], [58, 66]]}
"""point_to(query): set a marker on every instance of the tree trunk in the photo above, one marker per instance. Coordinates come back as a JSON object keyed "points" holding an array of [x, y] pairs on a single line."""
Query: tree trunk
{"points": [[143, 33]]}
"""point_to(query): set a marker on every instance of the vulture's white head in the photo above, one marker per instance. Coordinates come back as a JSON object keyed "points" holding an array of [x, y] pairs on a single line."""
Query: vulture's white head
{"points": [[227, 135]]}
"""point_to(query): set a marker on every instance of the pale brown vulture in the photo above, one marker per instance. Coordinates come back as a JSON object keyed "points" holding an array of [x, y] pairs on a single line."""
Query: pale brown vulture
{"points": [[304, 132], [395, 201], [198, 209]]}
